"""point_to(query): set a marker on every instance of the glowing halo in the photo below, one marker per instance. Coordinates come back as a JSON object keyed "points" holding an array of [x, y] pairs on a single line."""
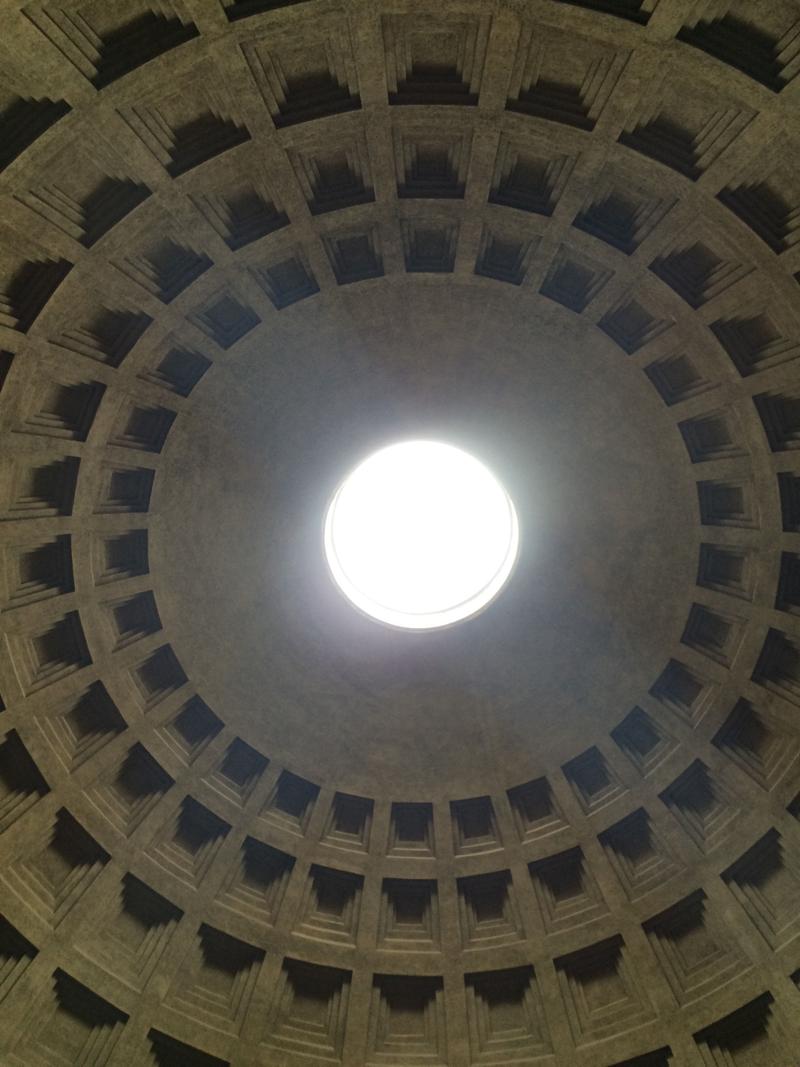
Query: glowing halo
{"points": [[421, 535]]}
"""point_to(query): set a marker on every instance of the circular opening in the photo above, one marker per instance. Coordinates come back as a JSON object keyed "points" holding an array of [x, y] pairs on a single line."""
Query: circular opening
{"points": [[421, 535]]}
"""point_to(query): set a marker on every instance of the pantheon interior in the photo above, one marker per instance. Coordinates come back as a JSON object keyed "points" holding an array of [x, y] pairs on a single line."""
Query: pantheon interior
{"points": [[245, 244]]}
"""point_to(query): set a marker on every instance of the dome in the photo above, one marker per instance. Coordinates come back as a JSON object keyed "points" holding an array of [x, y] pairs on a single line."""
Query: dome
{"points": [[246, 244]]}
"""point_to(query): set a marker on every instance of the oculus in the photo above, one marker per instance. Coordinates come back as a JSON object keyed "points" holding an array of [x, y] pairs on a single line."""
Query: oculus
{"points": [[420, 535]]}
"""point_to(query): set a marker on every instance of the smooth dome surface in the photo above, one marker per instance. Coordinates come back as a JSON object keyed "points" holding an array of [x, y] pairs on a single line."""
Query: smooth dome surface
{"points": [[421, 535], [507, 696]]}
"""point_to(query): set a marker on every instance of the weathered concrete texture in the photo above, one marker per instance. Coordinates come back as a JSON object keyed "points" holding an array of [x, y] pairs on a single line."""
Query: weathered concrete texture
{"points": [[242, 244]]}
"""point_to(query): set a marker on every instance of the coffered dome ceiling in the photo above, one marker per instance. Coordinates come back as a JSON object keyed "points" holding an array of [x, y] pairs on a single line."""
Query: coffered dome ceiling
{"points": [[242, 244]]}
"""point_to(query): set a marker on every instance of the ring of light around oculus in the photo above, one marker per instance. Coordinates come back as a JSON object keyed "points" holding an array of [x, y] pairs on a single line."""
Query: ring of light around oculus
{"points": [[421, 535]]}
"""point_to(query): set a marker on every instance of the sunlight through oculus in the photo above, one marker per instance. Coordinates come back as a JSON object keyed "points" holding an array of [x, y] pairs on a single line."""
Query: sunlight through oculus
{"points": [[421, 535]]}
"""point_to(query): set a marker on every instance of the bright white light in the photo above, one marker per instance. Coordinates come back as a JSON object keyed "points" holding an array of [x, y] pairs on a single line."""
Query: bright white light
{"points": [[421, 535]]}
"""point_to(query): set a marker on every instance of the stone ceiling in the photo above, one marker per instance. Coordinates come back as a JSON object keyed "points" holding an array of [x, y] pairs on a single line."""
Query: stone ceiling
{"points": [[242, 243]]}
